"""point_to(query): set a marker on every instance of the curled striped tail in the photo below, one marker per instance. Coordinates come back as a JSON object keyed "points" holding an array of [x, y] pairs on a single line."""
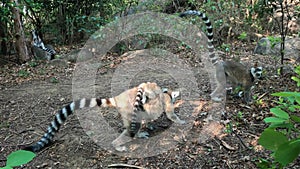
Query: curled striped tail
{"points": [[61, 117], [209, 34], [135, 124], [50, 51]]}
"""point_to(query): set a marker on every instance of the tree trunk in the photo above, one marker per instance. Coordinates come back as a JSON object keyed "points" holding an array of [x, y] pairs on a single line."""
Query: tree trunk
{"points": [[21, 47], [4, 37], [61, 21]]}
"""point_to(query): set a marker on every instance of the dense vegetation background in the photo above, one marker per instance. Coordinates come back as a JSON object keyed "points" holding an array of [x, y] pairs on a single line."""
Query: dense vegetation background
{"points": [[74, 21]]}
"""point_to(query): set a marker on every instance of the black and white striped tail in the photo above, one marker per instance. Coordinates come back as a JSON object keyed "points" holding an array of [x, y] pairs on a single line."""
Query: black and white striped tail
{"points": [[60, 118], [209, 29], [50, 51], [138, 106]]}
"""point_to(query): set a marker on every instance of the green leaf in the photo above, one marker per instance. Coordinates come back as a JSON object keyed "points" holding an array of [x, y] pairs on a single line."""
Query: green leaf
{"points": [[243, 36], [297, 100], [271, 139], [19, 157], [286, 94], [288, 152], [297, 80], [263, 164], [6, 167], [295, 118], [280, 113], [274, 120], [281, 125], [291, 99], [297, 70]]}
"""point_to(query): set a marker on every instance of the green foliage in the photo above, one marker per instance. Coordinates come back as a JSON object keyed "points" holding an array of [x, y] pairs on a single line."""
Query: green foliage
{"points": [[54, 80], [89, 24], [228, 128], [185, 45], [282, 135], [242, 36], [274, 40], [272, 139], [226, 47], [297, 78], [4, 124], [18, 158], [257, 100], [262, 8], [240, 115], [237, 90], [33, 64], [23, 73], [266, 164]]}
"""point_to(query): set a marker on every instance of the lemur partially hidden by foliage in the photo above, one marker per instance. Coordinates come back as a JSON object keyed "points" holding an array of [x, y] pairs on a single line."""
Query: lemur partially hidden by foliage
{"points": [[235, 72], [39, 49]]}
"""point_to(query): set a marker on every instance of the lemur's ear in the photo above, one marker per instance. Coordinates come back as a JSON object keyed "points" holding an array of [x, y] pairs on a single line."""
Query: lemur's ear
{"points": [[175, 94]]}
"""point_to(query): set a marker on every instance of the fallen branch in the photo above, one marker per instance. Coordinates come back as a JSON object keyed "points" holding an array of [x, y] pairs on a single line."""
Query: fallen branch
{"points": [[124, 165], [263, 95]]}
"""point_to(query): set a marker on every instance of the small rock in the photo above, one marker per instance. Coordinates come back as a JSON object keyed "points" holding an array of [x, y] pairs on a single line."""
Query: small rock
{"points": [[263, 46]]}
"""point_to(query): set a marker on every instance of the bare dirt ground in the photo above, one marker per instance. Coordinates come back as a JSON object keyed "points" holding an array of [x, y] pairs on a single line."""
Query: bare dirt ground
{"points": [[29, 101]]}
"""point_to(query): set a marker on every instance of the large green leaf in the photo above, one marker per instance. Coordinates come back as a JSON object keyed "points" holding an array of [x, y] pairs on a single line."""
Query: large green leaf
{"points": [[281, 125], [280, 113], [297, 100], [295, 118], [288, 152], [6, 167], [274, 120], [19, 157], [286, 94], [271, 139]]}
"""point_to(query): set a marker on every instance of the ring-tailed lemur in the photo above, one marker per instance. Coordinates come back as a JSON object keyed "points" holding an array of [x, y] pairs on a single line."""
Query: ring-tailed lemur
{"points": [[235, 72], [146, 102], [37, 42], [239, 75]]}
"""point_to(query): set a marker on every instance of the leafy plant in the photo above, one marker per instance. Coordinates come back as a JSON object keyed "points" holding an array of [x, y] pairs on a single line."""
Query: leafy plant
{"points": [[240, 115], [274, 40], [18, 158], [258, 101], [4, 124], [297, 78], [228, 128], [265, 164], [23, 73], [282, 135], [54, 80], [225, 47], [242, 36], [33, 64]]}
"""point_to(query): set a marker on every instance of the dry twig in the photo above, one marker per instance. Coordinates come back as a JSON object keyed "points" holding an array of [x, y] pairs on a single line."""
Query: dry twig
{"points": [[124, 165]]}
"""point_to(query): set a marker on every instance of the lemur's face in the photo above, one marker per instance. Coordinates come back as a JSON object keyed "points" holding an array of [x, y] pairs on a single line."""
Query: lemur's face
{"points": [[256, 72]]}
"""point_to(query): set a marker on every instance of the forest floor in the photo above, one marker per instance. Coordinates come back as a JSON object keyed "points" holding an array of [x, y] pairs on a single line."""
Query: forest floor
{"points": [[31, 93]]}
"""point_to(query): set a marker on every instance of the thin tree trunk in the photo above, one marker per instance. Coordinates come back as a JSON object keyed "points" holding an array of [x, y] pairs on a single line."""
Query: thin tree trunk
{"points": [[3, 36], [21, 47], [61, 21]]}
